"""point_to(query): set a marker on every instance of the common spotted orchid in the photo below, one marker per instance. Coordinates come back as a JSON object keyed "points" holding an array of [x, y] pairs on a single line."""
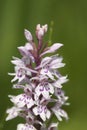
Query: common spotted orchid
{"points": [[38, 76]]}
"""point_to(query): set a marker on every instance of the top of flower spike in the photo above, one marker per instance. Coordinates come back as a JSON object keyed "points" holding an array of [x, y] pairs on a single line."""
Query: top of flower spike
{"points": [[40, 31]]}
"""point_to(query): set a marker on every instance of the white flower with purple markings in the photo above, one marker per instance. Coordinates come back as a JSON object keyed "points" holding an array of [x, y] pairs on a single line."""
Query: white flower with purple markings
{"points": [[38, 76], [22, 100], [44, 89], [42, 111], [25, 127]]}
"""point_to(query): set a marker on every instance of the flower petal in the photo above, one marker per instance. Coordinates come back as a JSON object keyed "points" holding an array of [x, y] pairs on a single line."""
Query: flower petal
{"points": [[43, 116], [28, 35], [58, 83], [53, 126], [22, 100], [48, 114], [35, 110], [59, 113], [25, 127], [56, 63], [52, 49], [12, 113], [48, 73]]}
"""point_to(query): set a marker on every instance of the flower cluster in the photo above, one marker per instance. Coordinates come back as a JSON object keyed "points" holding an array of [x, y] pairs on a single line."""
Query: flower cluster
{"points": [[37, 74]]}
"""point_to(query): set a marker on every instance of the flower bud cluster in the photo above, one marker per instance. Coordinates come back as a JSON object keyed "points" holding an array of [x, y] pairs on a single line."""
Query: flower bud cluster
{"points": [[38, 76]]}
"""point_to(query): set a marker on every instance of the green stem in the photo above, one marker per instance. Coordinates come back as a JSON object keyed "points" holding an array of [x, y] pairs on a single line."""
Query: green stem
{"points": [[50, 32]]}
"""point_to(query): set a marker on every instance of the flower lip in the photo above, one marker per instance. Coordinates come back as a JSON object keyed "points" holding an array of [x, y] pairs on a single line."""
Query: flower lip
{"points": [[22, 100], [42, 111]]}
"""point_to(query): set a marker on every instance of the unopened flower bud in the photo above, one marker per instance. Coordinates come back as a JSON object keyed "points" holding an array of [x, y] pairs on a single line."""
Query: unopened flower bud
{"points": [[28, 35], [40, 31]]}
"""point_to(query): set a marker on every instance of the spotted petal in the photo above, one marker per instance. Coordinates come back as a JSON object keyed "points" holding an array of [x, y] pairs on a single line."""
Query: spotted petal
{"points": [[22, 100], [42, 111], [25, 127]]}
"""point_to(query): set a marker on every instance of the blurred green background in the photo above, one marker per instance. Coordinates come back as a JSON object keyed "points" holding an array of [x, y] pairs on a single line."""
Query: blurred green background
{"points": [[70, 28]]}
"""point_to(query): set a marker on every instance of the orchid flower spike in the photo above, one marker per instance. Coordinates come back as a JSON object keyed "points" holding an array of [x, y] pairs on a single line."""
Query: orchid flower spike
{"points": [[38, 76]]}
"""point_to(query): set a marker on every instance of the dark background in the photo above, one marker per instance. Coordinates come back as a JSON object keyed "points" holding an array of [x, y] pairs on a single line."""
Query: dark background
{"points": [[70, 28]]}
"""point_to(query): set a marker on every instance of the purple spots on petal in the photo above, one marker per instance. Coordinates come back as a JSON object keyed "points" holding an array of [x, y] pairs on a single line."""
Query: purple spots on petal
{"points": [[25, 99], [47, 88], [20, 72], [45, 110], [40, 109]]}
